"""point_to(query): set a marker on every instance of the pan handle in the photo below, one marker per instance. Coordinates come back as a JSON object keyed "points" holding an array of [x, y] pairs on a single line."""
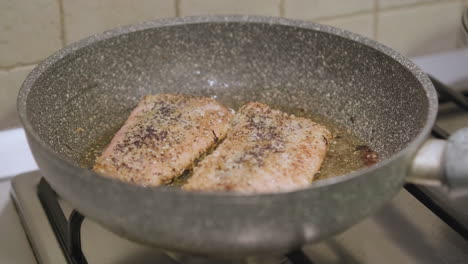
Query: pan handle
{"points": [[443, 163]]}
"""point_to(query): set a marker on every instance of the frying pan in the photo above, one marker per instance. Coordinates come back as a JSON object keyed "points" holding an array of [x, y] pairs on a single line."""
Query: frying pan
{"points": [[80, 95]]}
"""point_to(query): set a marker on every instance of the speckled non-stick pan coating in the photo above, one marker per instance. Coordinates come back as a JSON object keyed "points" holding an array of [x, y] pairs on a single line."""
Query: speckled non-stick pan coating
{"points": [[82, 94]]}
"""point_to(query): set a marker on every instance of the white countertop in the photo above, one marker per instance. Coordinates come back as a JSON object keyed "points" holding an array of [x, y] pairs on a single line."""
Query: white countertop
{"points": [[15, 155], [15, 158], [14, 246]]}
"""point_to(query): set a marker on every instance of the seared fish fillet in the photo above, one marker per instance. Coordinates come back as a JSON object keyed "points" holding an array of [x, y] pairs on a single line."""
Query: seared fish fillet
{"points": [[265, 151], [162, 137]]}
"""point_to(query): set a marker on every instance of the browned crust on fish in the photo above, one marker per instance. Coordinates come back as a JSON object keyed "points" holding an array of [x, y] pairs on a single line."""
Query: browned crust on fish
{"points": [[266, 150], [163, 136]]}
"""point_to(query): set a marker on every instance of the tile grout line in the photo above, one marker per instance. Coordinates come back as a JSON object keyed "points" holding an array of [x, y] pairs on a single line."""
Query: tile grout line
{"points": [[347, 15], [62, 23], [18, 65], [458, 38], [177, 7], [376, 11], [281, 7], [375, 19], [432, 2]]}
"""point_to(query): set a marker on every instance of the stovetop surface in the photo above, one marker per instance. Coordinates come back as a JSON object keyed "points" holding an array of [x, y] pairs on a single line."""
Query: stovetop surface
{"points": [[404, 231]]}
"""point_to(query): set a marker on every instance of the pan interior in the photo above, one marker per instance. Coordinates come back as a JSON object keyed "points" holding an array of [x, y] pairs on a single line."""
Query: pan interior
{"points": [[81, 101]]}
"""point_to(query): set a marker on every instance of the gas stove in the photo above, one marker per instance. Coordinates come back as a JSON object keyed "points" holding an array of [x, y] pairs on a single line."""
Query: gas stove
{"points": [[404, 231], [420, 225]]}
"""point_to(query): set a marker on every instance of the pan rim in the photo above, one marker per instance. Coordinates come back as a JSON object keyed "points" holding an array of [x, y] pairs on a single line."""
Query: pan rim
{"points": [[426, 84]]}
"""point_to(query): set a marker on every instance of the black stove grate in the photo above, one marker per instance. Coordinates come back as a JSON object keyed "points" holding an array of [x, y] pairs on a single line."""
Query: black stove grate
{"points": [[68, 232], [427, 197]]}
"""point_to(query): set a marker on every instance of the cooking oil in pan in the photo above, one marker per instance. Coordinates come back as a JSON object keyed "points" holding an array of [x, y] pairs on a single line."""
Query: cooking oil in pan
{"points": [[346, 152], [95, 149]]}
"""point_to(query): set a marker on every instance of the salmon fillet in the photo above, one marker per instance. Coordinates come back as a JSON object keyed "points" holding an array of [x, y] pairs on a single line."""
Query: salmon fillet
{"points": [[162, 137], [265, 151]]}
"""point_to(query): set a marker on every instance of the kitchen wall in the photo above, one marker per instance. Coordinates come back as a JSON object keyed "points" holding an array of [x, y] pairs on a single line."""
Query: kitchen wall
{"points": [[30, 30]]}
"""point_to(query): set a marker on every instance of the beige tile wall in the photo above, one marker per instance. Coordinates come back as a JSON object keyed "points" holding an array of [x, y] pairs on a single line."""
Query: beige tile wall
{"points": [[248, 7], [10, 82], [32, 30], [313, 9], [85, 17], [421, 29]]}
